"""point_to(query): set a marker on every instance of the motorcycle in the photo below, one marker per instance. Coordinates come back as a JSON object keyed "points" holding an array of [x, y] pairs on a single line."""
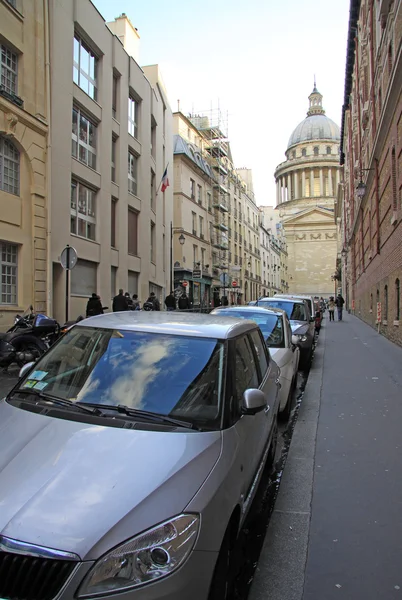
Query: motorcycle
{"points": [[30, 336]]}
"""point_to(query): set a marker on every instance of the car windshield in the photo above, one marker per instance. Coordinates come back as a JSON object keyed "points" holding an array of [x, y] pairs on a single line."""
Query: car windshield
{"points": [[296, 311], [170, 375], [271, 325]]}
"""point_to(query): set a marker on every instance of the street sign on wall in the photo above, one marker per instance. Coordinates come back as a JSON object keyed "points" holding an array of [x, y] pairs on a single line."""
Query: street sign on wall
{"points": [[197, 274]]}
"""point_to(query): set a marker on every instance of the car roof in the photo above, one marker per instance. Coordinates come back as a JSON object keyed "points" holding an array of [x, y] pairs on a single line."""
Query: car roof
{"points": [[172, 323], [281, 298], [251, 309]]}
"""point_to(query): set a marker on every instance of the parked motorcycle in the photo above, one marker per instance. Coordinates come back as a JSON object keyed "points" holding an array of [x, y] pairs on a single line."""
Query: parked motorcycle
{"points": [[30, 336]]}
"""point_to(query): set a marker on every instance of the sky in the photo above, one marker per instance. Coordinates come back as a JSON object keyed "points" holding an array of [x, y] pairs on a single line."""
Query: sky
{"points": [[254, 61]]}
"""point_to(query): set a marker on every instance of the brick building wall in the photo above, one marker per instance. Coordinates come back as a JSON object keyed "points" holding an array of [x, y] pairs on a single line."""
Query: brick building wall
{"points": [[372, 155]]}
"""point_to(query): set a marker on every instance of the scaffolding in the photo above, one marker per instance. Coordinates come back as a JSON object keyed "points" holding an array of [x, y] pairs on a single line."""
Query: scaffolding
{"points": [[213, 126]]}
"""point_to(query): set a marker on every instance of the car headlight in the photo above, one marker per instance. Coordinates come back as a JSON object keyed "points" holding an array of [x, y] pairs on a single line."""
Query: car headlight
{"points": [[302, 338], [153, 554]]}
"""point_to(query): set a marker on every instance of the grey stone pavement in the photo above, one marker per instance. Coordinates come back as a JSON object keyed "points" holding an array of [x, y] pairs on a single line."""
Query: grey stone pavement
{"points": [[336, 531]]}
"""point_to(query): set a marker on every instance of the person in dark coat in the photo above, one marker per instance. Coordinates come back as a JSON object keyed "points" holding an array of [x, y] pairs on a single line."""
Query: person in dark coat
{"points": [[170, 302], [153, 300], [339, 302], [129, 301], [184, 302], [120, 302], [94, 306]]}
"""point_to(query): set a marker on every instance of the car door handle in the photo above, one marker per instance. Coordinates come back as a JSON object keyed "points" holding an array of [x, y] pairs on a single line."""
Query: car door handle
{"points": [[267, 408]]}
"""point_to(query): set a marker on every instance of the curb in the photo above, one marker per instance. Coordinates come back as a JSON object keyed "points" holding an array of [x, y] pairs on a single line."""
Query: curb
{"points": [[281, 567]]}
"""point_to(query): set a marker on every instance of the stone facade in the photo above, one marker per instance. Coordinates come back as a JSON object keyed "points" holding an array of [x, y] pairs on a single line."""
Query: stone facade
{"points": [[23, 163], [370, 204], [306, 188]]}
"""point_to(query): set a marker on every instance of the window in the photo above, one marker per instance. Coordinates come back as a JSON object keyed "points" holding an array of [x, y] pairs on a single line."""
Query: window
{"points": [[153, 140], [85, 68], [199, 194], [316, 150], [398, 299], [8, 70], [328, 149], [9, 167], [115, 92], [304, 152], [192, 189], [246, 369], [386, 303], [203, 257], [133, 117], [394, 186], [209, 197], [83, 139], [82, 211], [153, 243], [153, 192], [113, 281], [201, 228], [113, 223], [132, 286], [8, 265], [132, 173], [195, 255], [390, 59], [13, 3], [132, 232], [261, 352], [294, 154], [194, 221], [113, 166], [83, 278]]}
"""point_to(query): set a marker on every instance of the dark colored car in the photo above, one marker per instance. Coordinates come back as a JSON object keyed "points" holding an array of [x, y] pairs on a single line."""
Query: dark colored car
{"points": [[301, 322]]}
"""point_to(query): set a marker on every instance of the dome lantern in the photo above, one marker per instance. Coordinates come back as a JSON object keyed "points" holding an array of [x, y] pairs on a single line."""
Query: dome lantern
{"points": [[315, 99]]}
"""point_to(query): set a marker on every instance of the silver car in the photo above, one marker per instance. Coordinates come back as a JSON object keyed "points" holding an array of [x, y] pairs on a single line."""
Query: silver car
{"points": [[130, 454], [283, 348]]}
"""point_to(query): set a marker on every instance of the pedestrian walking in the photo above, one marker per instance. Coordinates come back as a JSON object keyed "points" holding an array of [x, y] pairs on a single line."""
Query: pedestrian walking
{"points": [[339, 304], [152, 303], [120, 302], [184, 302], [331, 308], [170, 302], [136, 303], [129, 301], [94, 306]]}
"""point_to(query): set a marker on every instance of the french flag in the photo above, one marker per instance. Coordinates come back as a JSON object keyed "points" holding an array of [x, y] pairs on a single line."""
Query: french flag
{"points": [[165, 181]]}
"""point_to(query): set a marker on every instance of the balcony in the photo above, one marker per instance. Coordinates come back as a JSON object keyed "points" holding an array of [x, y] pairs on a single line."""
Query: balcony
{"points": [[219, 225], [221, 242]]}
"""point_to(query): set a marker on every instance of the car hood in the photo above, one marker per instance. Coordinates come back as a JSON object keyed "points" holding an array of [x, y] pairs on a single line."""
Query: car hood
{"points": [[299, 327], [85, 488]]}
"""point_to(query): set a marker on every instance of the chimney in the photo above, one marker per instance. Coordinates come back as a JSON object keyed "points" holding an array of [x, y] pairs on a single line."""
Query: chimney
{"points": [[127, 34]]}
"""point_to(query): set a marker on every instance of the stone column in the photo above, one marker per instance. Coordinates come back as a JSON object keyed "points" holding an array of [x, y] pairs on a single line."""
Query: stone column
{"points": [[338, 180], [290, 186], [321, 183], [330, 190], [311, 183], [296, 174], [278, 192], [303, 183]]}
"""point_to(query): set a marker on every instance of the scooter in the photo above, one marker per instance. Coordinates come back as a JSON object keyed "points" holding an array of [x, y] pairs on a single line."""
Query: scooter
{"points": [[30, 336]]}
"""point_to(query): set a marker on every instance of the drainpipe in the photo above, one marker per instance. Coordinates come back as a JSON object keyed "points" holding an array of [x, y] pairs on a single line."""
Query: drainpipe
{"points": [[377, 205], [49, 299]]}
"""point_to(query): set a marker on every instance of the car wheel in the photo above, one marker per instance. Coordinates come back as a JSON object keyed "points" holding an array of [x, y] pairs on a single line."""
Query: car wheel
{"points": [[223, 579]]}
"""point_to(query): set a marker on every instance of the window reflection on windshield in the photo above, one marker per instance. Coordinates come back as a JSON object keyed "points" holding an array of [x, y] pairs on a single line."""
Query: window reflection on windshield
{"points": [[271, 325], [166, 374], [295, 311]]}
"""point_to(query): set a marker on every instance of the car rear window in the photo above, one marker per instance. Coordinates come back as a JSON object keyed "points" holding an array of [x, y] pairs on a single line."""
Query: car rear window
{"points": [[271, 325], [296, 311]]}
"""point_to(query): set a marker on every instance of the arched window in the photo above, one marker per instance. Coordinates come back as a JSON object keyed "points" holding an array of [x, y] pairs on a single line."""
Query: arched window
{"points": [[304, 152], [386, 303], [328, 149], [9, 167], [316, 150], [371, 302], [398, 299]]}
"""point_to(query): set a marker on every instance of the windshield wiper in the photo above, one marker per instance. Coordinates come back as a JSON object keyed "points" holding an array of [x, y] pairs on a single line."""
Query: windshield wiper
{"points": [[145, 414], [57, 400]]}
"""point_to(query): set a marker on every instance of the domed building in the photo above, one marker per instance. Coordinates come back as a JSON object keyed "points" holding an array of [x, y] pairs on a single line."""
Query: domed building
{"points": [[306, 188]]}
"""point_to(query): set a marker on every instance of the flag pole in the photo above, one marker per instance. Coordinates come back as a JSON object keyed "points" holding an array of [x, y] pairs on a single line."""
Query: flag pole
{"points": [[159, 187]]}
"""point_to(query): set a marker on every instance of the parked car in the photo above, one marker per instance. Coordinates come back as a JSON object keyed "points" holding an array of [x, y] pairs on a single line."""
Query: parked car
{"points": [[301, 322], [283, 348], [130, 455], [308, 299]]}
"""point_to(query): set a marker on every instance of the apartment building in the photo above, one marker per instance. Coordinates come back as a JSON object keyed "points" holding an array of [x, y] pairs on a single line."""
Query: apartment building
{"points": [[277, 270], [369, 207], [111, 140], [193, 231], [24, 120]]}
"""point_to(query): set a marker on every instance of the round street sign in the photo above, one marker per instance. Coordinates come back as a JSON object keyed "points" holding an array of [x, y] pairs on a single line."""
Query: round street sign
{"points": [[184, 283], [69, 255], [234, 283]]}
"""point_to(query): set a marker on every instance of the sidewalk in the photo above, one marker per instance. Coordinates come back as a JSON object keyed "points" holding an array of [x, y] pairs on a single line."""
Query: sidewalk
{"points": [[336, 531]]}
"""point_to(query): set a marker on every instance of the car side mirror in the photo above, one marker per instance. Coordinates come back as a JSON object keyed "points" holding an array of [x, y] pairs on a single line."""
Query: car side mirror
{"points": [[295, 340], [24, 370], [254, 401]]}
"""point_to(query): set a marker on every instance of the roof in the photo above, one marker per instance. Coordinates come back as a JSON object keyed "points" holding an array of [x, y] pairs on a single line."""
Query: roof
{"points": [[279, 298], [172, 323], [315, 127], [181, 146], [251, 309]]}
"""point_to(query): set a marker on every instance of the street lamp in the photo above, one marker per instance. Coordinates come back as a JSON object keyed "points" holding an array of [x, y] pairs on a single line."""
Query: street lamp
{"points": [[361, 189], [182, 239]]}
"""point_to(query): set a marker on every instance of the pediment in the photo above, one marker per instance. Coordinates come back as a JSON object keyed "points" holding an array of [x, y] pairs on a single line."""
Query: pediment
{"points": [[314, 215]]}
